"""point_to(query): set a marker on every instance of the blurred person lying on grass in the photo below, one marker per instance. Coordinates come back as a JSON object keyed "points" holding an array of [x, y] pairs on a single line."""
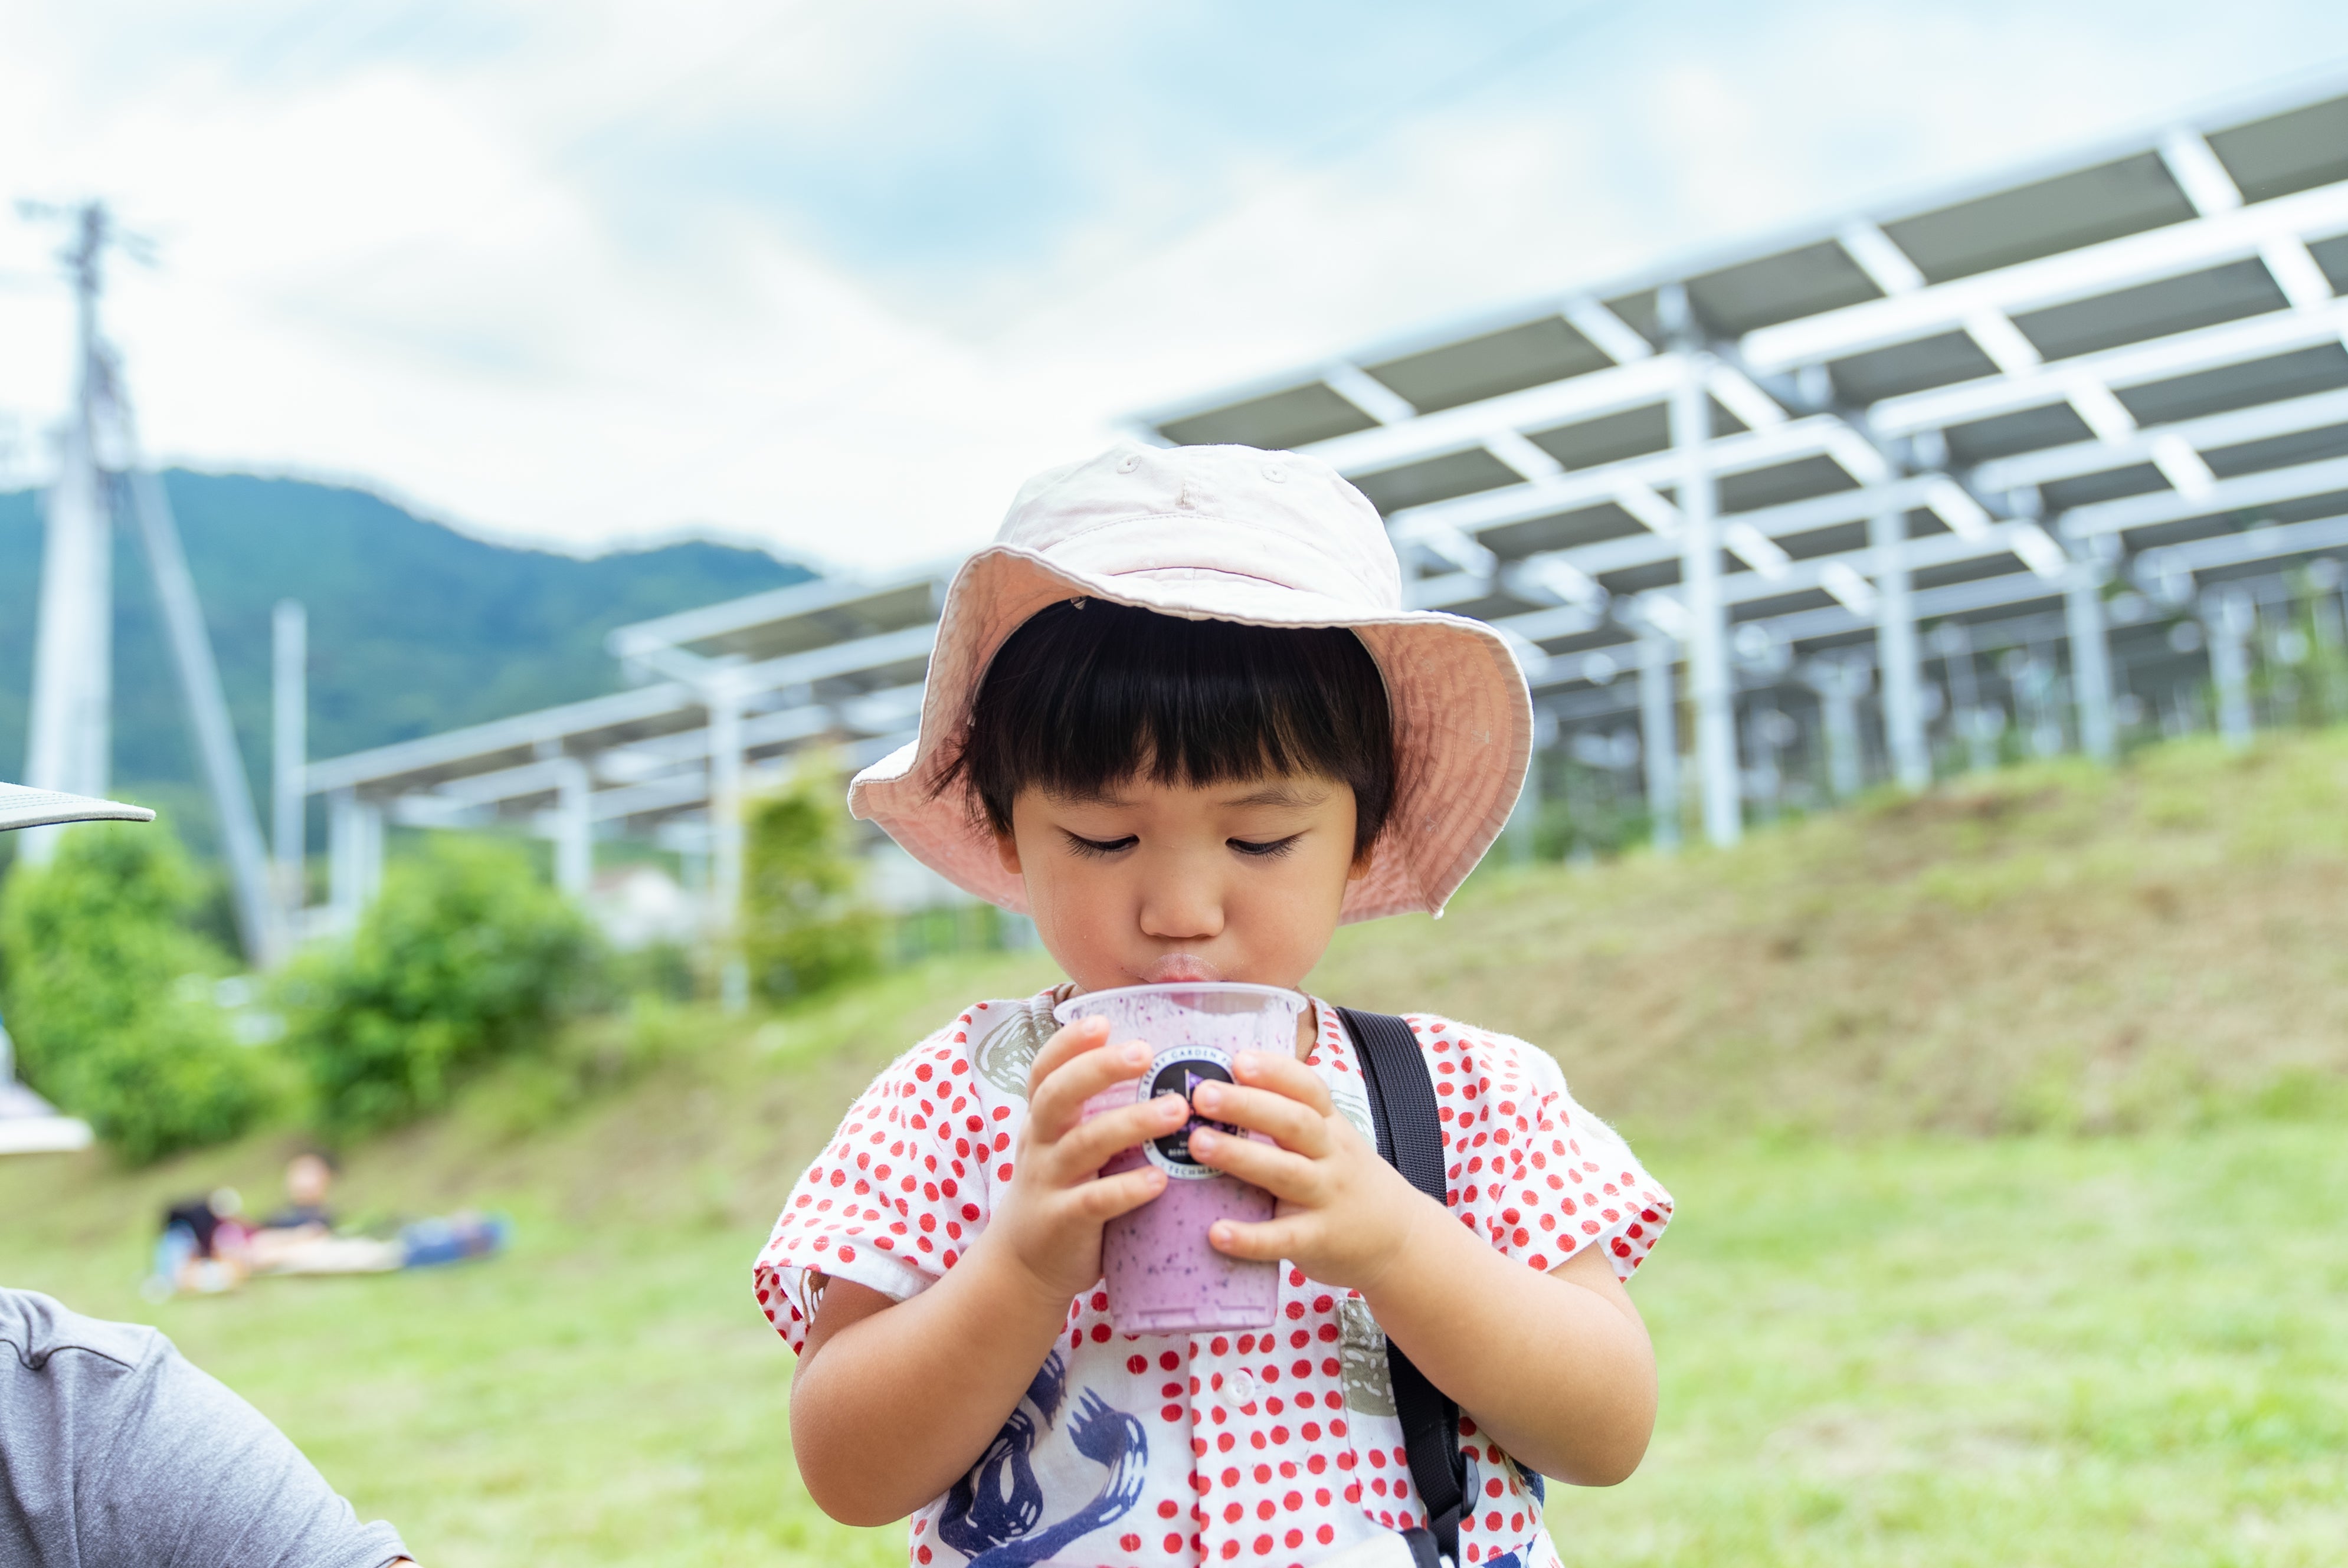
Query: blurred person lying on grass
{"points": [[115, 1452], [1178, 713], [206, 1246]]}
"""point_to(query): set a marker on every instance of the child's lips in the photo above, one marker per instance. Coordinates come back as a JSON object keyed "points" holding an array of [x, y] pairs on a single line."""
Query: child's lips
{"points": [[1175, 968]]}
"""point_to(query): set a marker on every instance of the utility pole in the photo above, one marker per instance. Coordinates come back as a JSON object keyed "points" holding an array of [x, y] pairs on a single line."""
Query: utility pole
{"points": [[70, 745], [72, 672]]}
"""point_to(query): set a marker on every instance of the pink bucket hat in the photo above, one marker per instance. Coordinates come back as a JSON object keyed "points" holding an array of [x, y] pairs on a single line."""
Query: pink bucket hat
{"points": [[1225, 532]]}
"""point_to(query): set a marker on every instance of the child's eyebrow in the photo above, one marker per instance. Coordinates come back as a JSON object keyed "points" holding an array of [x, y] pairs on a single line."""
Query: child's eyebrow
{"points": [[1281, 794]]}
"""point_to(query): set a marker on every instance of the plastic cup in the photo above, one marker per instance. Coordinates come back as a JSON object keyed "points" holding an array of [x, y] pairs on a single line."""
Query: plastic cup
{"points": [[1162, 1276]]}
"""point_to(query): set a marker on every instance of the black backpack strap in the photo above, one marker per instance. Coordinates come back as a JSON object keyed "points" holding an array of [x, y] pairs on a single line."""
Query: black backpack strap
{"points": [[1410, 1139]]}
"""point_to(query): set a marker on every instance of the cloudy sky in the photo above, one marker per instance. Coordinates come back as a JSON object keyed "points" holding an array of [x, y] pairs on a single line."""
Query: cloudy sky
{"points": [[835, 278]]}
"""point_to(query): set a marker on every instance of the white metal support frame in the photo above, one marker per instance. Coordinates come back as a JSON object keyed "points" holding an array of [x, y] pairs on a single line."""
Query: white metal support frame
{"points": [[723, 696], [1562, 462], [1659, 739], [355, 856], [1841, 683], [573, 826], [289, 655], [1719, 777], [1896, 652], [2091, 660], [2229, 618]]}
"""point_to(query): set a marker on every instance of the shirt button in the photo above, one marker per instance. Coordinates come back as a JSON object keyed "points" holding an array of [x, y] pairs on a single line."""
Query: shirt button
{"points": [[1242, 1386]]}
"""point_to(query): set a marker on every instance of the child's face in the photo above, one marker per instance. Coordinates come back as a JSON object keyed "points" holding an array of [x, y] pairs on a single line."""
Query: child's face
{"points": [[1152, 882]]}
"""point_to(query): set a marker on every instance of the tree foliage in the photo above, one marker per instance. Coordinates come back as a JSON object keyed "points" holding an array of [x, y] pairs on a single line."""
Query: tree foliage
{"points": [[108, 994], [465, 957], [803, 930]]}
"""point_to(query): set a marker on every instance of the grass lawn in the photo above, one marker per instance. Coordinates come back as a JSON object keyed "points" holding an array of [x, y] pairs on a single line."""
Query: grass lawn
{"points": [[2033, 1350]]}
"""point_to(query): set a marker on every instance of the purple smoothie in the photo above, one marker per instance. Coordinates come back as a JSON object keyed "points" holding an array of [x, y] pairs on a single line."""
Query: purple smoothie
{"points": [[1162, 1276]]}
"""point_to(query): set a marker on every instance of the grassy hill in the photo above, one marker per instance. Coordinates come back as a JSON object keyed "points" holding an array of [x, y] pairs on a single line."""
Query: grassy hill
{"points": [[2005, 1128], [2055, 946], [414, 626]]}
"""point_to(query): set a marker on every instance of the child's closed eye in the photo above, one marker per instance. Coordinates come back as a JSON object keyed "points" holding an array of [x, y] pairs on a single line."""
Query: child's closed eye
{"points": [[1094, 849], [1277, 847]]}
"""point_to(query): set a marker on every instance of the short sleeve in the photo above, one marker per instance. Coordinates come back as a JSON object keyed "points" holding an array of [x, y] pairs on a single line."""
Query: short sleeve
{"points": [[191, 1473], [1537, 1175], [896, 1197]]}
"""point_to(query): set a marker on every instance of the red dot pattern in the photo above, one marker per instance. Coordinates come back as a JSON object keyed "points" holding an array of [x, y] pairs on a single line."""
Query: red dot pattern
{"points": [[1254, 1456]]}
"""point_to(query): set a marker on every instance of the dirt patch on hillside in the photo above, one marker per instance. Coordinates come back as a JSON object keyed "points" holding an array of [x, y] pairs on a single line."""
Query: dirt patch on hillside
{"points": [[2064, 946]]}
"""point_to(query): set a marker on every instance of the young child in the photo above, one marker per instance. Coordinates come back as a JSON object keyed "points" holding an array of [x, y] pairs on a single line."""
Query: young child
{"points": [[1179, 715]]}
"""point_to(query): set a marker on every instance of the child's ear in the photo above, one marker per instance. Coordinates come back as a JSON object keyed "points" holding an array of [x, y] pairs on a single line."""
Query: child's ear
{"points": [[1007, 852]]}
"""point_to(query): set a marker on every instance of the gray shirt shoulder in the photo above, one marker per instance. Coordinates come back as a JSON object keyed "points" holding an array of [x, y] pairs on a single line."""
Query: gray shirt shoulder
{"points": [[115, 1451]]}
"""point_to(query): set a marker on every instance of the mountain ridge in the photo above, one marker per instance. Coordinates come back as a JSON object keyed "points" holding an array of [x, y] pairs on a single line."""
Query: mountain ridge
{"points": [[416, 626]]}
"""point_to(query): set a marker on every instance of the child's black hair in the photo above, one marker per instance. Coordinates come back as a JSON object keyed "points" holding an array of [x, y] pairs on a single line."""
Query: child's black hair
{"points": [[1086, 695]]}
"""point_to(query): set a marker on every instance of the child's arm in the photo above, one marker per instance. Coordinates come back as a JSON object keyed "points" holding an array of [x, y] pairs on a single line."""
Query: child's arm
{"points": [[894, 1401], [1555, 1367]]}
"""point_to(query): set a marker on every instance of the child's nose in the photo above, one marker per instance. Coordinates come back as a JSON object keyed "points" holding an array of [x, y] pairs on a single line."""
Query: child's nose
{"points": [[1177, 908]]}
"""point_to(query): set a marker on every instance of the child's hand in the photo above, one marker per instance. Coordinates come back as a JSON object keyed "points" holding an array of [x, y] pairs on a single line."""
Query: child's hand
{"points": [[1343, 1213], [1049, 1219]]}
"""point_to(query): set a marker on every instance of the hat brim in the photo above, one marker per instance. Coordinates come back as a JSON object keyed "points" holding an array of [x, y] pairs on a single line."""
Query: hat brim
{"points": [[1462, 716], [21, 806]]}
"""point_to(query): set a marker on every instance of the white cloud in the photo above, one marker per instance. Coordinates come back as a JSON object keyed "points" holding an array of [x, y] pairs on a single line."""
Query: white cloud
{"points": [[453, 262]]}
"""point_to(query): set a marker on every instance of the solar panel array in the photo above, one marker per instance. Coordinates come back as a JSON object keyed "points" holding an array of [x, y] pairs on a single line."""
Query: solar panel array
{"points": [[2124, 370], [2040, 458]]}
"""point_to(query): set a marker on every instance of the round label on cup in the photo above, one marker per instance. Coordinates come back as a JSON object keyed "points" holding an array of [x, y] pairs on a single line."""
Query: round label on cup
{"points": [[1179, 1069]]}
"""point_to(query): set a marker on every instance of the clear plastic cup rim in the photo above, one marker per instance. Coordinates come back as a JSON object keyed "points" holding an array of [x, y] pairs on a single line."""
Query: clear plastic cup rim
{"points": [[1063, 1013]]}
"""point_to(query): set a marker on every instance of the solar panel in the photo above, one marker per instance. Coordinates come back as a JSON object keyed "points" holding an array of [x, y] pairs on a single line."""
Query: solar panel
{"points": [[1943, 438], [2064, 369]]}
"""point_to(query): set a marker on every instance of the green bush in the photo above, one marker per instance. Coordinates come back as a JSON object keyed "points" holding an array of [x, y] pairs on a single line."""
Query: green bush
{"points": [[465, 957], [97, 944], [802, 930]]}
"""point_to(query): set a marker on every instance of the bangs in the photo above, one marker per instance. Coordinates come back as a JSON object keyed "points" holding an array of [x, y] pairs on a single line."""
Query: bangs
{"points": [[1086, 695]]}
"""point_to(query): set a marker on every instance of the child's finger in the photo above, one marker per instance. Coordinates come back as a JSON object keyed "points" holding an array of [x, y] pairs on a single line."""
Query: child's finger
{"points": [[1057, 1101], [1111, 1197], [1267, 1165], [1086, 1147], [1289, 1123], [1267, 1241], [1068, 1041], [1283, 1074]]}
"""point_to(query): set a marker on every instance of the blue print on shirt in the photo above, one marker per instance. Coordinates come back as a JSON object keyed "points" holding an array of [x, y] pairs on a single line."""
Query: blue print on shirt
{"points": [[990, 1515]]}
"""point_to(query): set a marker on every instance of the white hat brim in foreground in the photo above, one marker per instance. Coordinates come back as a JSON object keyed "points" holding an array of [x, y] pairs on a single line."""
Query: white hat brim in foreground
{"points": [[21, 806], [1462, 718]]}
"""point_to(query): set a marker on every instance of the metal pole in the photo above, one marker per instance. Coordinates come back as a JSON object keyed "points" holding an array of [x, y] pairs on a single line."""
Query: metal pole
{"points": [[1659, 740], [224, 764], [343, 877], [724, 701], [1838, 685], [1956, 645], [1895, 652], [725, 704], [70, 745], [2091, 660], [1715, 698], [1524, 817], [2229, 617], [289, 649], [574, 828]]}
